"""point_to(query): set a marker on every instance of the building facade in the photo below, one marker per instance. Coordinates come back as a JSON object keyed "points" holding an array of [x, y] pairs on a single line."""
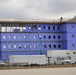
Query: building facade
{"points": [[35, 37]]}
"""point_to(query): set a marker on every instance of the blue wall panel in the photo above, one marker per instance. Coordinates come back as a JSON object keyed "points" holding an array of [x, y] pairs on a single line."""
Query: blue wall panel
{"points": [[53, 37], [71, 36]]}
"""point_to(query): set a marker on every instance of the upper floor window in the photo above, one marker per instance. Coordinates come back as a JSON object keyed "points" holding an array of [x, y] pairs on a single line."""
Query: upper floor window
{"points": [[24, 37], [54, 46], [9, 46], [14, 27], [73, 35], [11, 30], [8, 29], [4, 46], [30, 37], [35, 46], [44, 37], [30, 27], [44, 46], [30, 46], [14, 37], [4, 37], [19, 37], [20, 47], [53, 27], [39, 37], [9, 37], [58, 36], [48, 27], [73, 45], [49, 46], [58, 28], [59, 46], [44, 27], [34, 26], [24, 46], [34, 37], [18, 27], [21, 28], [24, 28], [72, 26], [49, 37], [54, 37], [3, 29], [14, 46], [39, 27]]}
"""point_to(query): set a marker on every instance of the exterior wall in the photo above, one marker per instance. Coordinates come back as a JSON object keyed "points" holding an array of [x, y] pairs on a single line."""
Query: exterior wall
{"points": [[28, 40], [64, 36], [71, 36]]}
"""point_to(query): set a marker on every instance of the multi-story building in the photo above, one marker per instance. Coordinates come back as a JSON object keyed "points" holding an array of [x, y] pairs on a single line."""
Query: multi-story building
{"points": [[35, 37]]}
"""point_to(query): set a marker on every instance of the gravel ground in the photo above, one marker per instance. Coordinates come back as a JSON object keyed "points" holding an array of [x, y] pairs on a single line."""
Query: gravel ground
{"points": [[40, 71]]}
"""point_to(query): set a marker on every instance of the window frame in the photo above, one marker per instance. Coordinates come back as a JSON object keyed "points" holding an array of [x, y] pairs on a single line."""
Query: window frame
{"points": [[45, 46], [54, 46]]}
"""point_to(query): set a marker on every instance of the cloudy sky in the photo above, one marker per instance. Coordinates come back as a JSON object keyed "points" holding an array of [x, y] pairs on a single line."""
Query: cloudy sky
{"points": [[37, 9]]}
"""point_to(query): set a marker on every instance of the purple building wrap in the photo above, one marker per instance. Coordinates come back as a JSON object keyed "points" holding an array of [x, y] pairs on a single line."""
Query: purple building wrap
{"points": [[33, 38]]}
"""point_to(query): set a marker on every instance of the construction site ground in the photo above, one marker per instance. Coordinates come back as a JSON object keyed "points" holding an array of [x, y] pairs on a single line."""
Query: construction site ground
{"points": [[2, 67]]}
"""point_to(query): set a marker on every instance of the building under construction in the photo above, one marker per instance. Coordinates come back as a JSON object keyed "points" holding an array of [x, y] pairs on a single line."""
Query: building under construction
{"points": [[35, 37]]}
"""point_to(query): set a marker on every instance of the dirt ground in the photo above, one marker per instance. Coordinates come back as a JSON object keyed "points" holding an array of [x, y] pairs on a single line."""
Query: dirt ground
{"points": [[40, 71]]}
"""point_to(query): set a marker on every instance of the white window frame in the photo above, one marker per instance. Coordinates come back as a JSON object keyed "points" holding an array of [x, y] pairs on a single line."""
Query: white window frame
{"points": [[4, 56], [35, 37], [8, 29], [30, 46], [30, 36], [14, 27], [35, 46], [30, 27], [24, 28], [19, 36], [21, 28], [4, 37], [20, 46], [40, 37], [3, 29], [9, 37], [4, 46], [24, 46], [14, 37], [18, 27], [9, 46], [24, 37], [39, 28], [11, 29], [14, 46]]}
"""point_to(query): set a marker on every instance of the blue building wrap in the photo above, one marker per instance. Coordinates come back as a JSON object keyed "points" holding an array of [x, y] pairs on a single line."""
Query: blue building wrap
{"points": [[33, 38]]}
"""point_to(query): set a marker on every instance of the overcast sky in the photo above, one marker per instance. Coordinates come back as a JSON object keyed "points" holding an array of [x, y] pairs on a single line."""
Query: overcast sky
{"points": [[37, 9]]}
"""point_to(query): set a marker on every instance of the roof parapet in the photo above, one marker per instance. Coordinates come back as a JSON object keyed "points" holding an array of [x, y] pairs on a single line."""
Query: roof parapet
{"points": [[37, 20]]}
